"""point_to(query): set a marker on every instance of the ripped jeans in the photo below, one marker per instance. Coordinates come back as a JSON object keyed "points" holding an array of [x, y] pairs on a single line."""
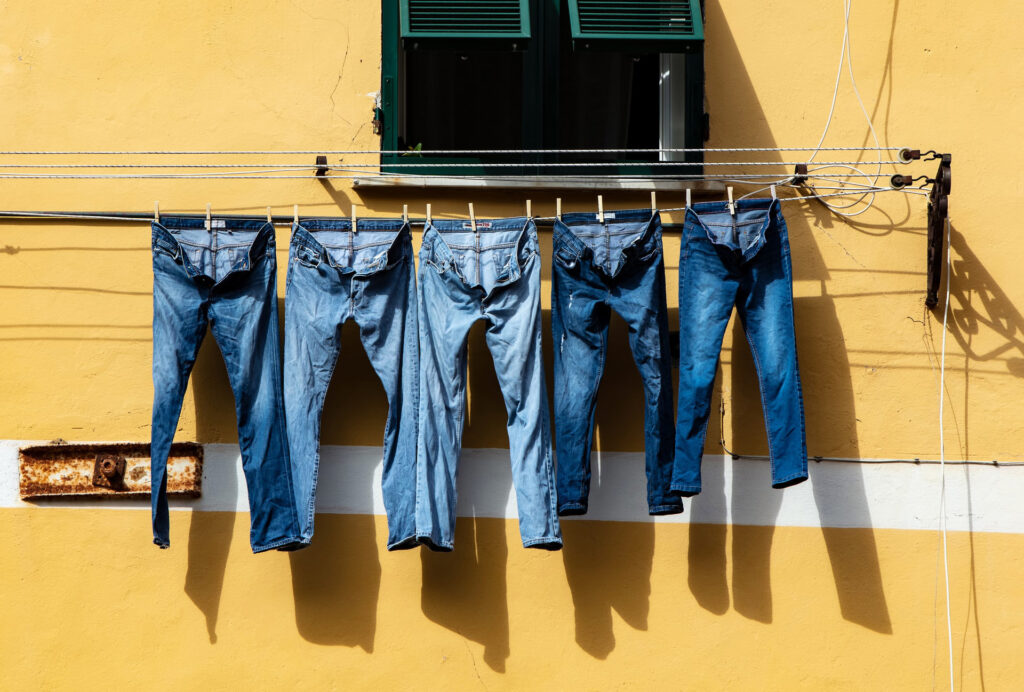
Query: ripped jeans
{"points": [[739, 259], [492, 275], [599, 267]]}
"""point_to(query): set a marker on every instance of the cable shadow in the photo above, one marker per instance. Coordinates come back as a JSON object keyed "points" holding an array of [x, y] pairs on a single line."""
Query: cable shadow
{"points": [[210, 533]]}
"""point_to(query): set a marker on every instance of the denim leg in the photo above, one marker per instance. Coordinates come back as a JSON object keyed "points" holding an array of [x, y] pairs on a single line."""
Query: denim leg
{"points": [[707, 293], [579, 329], [179, 325], [766, 308], [315, 307], [386, 315], [514, 339], [447, 310], [243, 315], [640, 299]]}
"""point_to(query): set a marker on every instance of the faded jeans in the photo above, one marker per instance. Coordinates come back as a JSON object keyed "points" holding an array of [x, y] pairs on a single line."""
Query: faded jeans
{"points": [[227, 278], [335, 275], [492, 275]]}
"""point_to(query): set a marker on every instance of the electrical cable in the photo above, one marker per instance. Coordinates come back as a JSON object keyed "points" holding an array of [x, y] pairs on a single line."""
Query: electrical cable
{"points": [[942, 453]]}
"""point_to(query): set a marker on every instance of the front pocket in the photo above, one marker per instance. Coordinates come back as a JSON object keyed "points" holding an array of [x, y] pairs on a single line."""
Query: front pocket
{"points": [[566, 257], [306, 256]]}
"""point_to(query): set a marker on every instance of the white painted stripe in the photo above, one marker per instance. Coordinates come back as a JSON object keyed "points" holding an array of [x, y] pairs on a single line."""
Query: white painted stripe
{"points": [[885, 496]]}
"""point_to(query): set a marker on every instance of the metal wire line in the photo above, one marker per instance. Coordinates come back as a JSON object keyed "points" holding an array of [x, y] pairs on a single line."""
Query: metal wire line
{"points": [[441, 151]]}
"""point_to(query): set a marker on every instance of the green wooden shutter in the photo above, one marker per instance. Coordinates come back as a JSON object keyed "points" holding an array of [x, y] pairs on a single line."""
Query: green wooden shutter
{"points": [[656, 26], [465, 23]]}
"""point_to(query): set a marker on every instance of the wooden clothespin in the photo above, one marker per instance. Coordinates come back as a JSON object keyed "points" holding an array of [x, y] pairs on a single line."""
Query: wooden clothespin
{"points": [[558, 208], [689, 202], [529, 209], [472, 217], [732, 204], [209, 221], [774, 195], [654, 202], [270, 216], [156, 211], [354, 219], [295, 211], [428, 212], [600, 209], [405, 213]]}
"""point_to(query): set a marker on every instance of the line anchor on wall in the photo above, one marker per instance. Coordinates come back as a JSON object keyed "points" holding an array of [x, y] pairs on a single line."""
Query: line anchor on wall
{"points": [[938, 211]]}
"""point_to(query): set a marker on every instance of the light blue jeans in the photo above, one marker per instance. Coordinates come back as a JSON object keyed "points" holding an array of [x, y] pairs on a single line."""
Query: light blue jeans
{"points": [[335, 275], [225, 278], [491, 275]]}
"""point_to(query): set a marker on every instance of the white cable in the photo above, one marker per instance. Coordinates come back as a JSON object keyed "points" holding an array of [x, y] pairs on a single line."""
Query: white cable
{"points": [[942, 454], [846, 54]]}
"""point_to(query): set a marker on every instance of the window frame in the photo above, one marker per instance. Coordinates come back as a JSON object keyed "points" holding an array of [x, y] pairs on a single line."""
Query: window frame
{"points": [[540, 132]]}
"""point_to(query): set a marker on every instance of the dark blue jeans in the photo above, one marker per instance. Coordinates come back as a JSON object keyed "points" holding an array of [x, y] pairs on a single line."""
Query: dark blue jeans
{"points": [[600, 267], [335, 275], [492, 275], [740, 260], [225, 278]]}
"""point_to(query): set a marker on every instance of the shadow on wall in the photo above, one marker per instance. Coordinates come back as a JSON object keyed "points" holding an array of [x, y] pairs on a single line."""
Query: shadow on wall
{"points": [[831, 425]]}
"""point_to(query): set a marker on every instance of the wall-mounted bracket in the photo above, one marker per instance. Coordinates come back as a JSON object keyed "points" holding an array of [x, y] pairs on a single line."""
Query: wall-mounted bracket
{"points": [[321, 166], [61, 470], [938, 211]]}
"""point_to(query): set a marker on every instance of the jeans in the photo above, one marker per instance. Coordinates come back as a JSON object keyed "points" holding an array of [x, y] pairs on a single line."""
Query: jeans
{"points": [[335, 275], [597, 268], [227, 278], [740, 260], [491, 275]]}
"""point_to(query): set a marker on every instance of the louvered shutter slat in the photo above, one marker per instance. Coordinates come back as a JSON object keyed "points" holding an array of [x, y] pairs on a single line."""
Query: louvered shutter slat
{"points": [[455, 21], [643, 25]]}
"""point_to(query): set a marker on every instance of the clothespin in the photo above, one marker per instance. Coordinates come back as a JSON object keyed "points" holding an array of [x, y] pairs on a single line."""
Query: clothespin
{"points": [[529, 209], [732, 204], [558, 208], [405, 213], [295, 209], [654, 202], [689, 203], [428, 212], [156, 211], [270, 216], [209, 222], [774, 196], [472, 217], [353, 219], [600, 209]]}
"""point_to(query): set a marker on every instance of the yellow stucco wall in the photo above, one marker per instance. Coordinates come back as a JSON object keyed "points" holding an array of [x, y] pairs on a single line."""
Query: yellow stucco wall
{"points": [[89, 602]]}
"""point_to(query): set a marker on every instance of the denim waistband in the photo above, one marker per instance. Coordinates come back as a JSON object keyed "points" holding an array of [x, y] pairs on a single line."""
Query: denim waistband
{"points": [[376, 243], [742, 231], [485, 259], [512, 223], [242, 254], [572, 247]]}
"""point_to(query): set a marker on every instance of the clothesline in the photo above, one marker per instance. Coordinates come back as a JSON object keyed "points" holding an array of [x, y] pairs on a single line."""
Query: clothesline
{"points": [[285, 221], [439, 151]]}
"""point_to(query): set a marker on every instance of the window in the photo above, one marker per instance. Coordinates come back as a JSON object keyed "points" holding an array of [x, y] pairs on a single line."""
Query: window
{"points": [[463, 75]]}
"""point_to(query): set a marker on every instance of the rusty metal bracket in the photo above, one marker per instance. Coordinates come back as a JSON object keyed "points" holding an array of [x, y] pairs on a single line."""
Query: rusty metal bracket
{"points": [[938, 211], [105, 469]]}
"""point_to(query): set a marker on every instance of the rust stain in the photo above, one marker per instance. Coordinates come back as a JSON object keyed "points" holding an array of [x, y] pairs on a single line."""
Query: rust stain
{"points": [[96, 469]]}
